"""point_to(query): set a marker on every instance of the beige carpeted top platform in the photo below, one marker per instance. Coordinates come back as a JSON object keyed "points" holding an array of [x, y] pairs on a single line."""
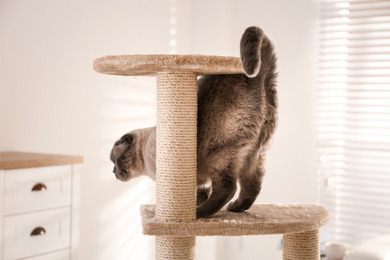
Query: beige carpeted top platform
{"points": [[142, 65], [260, 219]]}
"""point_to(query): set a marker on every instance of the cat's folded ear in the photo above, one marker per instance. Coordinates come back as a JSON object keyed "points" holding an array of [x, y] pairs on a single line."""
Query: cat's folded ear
{"points": [[250, 49]]}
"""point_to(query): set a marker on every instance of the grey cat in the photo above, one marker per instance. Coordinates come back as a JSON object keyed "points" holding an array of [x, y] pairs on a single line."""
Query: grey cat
{"points": [[237, 116]]}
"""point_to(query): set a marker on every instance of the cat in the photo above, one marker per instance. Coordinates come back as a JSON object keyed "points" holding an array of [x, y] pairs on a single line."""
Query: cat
{"points": [[237, 115]]}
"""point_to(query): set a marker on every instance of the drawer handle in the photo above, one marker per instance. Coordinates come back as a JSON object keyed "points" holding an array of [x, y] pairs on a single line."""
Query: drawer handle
{"points": [[39, 187], [38, 231]]}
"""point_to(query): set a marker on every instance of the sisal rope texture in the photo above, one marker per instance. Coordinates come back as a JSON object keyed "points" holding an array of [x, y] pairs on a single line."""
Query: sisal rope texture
{"points": [[302, 246], [176, 139]]}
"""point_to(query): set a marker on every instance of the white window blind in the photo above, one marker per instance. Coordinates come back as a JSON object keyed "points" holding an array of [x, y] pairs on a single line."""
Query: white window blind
{"points": [[353, 118]]}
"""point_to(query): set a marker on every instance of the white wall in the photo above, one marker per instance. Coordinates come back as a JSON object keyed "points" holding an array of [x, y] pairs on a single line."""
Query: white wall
{"points": [[52, 101]]}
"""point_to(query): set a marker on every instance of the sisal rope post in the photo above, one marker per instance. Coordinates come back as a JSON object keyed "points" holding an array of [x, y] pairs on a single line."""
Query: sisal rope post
{"points": [[176, 140], [302, 246]]}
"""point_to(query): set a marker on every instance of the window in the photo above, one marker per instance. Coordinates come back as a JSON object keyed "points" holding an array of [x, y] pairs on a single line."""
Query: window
{"points": [[353, 118]]}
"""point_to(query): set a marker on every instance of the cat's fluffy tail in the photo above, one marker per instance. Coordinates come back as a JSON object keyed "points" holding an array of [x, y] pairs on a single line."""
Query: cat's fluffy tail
{"points": [[250, 48]]}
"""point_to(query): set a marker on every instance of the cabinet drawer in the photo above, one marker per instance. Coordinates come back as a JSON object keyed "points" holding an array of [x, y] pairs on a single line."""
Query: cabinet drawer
{"points": [[37, 188], [36, 233]]}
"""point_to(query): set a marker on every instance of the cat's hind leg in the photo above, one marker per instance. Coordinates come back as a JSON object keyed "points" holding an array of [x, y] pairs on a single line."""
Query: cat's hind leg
{"points": [[202, 194], [250, 186], [223, 189]]}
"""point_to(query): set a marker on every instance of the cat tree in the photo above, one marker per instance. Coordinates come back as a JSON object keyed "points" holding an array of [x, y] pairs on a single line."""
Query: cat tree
{"points": [[173, 219]]}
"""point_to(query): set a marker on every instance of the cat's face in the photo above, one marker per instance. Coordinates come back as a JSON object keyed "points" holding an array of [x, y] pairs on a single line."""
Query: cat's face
{"points": [[126, 159]]}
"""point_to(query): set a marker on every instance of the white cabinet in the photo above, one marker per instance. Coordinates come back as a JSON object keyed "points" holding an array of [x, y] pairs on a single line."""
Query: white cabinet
{"points": [[39, 206]]}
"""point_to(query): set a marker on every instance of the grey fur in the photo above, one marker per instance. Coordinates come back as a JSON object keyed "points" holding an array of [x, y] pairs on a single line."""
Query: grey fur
{"points": [[237, 115]]}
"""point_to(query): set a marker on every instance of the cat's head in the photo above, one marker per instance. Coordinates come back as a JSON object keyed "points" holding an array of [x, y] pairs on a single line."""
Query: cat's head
{"points": [[124, 157], [133, 155]]}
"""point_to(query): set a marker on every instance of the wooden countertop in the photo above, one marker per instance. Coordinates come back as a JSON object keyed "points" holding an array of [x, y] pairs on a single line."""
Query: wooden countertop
{"points": [[19, 160]]}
